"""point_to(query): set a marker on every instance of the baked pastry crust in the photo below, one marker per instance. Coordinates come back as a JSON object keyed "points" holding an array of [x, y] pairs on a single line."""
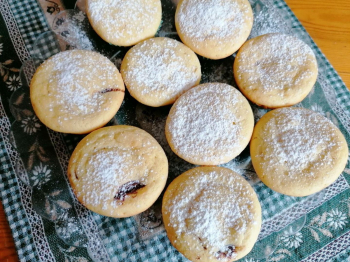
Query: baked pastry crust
{"points": [[275, 70], [211, 214], [118, 171], [124, 23], [210, 124], [76, 91], [214, 29], [158, 70], [297, 152]]}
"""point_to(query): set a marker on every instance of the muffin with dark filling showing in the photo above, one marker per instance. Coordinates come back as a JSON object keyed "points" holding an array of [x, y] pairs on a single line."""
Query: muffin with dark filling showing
{"points": [[118, 171], [211, 214]]}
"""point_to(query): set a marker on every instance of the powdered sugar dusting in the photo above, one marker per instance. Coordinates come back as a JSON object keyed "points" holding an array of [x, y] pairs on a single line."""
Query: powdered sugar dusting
{"points": [[73, 27], [212, 211], [212, 19], [77, 83], [107, 172], [121, 18], [268, 19], [157, 67], [275, 62], [153, 120], [299, 140], [202, 122]]}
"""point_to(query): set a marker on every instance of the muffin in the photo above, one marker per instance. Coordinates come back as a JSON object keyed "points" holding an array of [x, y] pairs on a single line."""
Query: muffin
{"points": [[158, 70], [118, 171], [275, 70], [210, 124], [214, 29], [76, 91], [297, 152], [124, 23], [211, 214]]}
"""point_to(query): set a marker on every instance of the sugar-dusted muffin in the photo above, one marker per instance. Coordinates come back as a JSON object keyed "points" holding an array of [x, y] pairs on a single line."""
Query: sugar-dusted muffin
{"points": [[76, 91], [118, 171], [158, 70], [297, 152], [275, 70], [124, 22], [214, 28], [211, 214], [210, 124]]}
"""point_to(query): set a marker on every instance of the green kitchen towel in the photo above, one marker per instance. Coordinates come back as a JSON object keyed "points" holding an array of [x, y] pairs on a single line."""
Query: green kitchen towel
{"points": [[47, 221]]}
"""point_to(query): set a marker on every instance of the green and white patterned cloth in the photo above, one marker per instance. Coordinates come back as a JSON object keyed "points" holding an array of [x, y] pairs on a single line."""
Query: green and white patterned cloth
{"points": [[47, 221]]}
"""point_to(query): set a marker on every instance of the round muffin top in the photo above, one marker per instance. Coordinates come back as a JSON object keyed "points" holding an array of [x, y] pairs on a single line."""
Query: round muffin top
{"points": [[297, 152], [76, 91], [214, 28], [158, 70], [275, 70], [210, 124], [211, 214], [124, 23], [118, 171]]}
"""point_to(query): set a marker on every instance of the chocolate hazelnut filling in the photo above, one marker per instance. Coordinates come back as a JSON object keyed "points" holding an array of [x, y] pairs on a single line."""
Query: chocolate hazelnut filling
{"points": [[228, 252], [111, 90], [205, 248], [128, 189]]}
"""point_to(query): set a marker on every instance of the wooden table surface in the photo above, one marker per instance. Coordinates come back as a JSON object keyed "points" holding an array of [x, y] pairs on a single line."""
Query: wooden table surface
{"points": [[328, 23]]}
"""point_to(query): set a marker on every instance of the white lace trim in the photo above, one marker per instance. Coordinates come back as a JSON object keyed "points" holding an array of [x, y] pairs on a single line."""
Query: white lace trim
{"points": [[14, 32], [330, 250], [96, 246], [85, 217], [333, 102], [286, 217], [36, 224], [89, 225], [40, 241]]}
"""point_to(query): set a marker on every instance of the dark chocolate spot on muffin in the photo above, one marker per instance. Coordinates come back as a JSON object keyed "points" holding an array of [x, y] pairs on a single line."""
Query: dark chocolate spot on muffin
{"points": [[228, 252], [111, 90], [128, 189], [205, 248]]}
